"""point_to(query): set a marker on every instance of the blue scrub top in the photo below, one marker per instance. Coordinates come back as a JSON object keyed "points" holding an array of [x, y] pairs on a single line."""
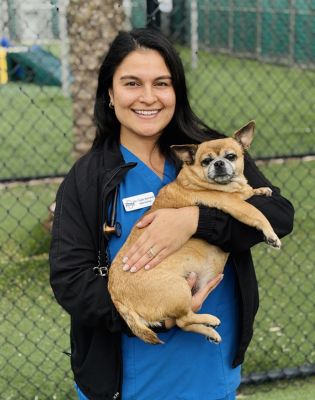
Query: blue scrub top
{"points": [[187, 366]]}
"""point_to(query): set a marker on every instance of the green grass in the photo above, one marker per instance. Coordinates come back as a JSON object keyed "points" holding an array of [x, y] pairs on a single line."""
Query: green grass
{"points": [[23, 209], [36, 122], [36, 138], [226, 92], [35, 131], [284, 334], [294, 390], [33, 335], [35, 329]]}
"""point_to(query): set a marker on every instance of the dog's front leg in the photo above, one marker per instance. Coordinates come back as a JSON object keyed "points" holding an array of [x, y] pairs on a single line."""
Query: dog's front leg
{"points": [[243, 212], [262, 191]]}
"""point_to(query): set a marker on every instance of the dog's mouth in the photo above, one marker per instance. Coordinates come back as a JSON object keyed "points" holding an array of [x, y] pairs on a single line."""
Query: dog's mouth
{"points": [[222, 178]]}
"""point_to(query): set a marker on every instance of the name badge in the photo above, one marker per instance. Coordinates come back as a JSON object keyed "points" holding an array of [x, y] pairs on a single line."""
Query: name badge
{"points": [[139, 201]]}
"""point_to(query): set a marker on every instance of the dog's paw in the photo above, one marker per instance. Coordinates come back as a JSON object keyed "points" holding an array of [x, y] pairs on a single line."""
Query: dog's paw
{"points": [[215, 324], [263, 191], [211, 334], [267, 191], [216, 340], [212, 321], [273, 241]]}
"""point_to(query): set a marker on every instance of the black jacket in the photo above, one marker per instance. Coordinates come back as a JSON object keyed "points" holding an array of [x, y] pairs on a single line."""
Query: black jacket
{"points": [[77, 246]]}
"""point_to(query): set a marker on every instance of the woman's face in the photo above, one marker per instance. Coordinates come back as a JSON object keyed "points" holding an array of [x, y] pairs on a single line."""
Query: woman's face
{"points": [[143, 95]]}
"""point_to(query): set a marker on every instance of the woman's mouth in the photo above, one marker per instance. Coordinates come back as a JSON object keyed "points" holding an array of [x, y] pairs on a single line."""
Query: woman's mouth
{"points": [[146, 113]]}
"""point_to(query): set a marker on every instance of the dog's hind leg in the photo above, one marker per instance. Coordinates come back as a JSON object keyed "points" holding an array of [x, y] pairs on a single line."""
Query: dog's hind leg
{"points": [[207, 331], [200, 323]]}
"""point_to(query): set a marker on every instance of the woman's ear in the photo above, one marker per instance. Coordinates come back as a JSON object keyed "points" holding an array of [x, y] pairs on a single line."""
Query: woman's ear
{"points": [[111, 97]]}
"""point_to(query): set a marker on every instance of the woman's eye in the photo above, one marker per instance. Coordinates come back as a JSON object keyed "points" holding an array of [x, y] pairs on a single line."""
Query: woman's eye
{"points": [[161, 83], [132, 83], [231, 157]]}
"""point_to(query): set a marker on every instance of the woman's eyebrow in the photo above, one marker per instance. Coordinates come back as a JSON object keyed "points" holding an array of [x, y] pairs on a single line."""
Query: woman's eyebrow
{"points": [[163, 77], [128, 77], [137, 78]]}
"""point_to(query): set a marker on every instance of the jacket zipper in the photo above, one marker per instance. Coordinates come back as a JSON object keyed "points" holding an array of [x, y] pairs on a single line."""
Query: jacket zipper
{"points": [[102, 256], [102, 250]]}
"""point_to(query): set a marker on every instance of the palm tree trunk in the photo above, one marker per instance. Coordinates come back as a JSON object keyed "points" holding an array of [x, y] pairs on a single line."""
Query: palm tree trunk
{"points": [[92, 25]]}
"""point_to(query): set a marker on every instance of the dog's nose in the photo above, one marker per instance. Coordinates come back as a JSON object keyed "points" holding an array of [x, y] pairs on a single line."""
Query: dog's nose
{"points": [[219, 164]]}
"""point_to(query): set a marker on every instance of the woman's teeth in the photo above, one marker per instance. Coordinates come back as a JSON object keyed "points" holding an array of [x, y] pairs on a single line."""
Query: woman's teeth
{"points": [[146, 112]]}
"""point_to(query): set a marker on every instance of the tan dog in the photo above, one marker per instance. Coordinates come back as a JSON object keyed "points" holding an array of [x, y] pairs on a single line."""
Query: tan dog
{"points": [[212, 175]]}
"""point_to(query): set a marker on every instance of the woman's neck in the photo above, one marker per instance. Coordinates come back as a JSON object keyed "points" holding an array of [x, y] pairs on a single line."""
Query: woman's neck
{"points": [[147, 150]]}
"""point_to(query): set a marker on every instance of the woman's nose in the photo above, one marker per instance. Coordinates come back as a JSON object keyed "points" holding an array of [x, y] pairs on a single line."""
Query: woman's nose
{"points": [[148, 96]]}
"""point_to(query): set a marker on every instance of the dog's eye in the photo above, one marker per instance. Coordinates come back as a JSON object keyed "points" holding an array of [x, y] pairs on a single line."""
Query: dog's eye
{"points": [[206, 161], [231, 157]]}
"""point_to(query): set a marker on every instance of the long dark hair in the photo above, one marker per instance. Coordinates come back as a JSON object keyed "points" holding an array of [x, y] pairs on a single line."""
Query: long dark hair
{"points": [[185, 126]]}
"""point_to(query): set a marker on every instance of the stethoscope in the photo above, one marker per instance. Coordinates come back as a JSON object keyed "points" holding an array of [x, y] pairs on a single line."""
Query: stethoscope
{"points": [[113, 227]]}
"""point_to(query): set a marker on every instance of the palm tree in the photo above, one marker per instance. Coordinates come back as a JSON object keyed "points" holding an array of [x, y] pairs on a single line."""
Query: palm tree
{"points": [[92, 25]]}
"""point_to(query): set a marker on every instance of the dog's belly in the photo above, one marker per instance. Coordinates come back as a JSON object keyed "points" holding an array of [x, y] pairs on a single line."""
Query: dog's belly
{"points": [[206, 260], [163, 291]]}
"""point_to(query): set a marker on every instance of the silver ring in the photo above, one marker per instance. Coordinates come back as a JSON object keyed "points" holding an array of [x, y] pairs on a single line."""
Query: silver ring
{"points": [[150, 253]]}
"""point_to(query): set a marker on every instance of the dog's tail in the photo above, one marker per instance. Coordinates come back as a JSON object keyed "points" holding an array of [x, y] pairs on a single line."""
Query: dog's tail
{"points": [[137, 324]]}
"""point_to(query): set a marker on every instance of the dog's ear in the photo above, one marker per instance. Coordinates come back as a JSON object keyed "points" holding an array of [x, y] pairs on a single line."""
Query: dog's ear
{"points": [[245, 135], [185, 152]]}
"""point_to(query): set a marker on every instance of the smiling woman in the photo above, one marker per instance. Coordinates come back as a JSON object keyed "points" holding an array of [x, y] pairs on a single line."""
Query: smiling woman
{"points": [[141, 110], [143, 99]]}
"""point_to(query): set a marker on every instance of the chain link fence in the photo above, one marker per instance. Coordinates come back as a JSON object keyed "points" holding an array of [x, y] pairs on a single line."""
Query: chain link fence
{"points": [[244, 60]]}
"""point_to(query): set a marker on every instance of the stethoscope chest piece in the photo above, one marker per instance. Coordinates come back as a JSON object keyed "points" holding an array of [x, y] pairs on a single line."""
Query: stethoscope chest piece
{"points": [[110, 230], [113, 227]]}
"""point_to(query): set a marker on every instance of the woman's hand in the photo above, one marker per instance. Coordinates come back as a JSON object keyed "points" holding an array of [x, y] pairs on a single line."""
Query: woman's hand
{"points": [[166, 231], [199, 297]]}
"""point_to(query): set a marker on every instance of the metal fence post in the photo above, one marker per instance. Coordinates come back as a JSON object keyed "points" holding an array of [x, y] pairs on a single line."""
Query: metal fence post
{"points": [[153, 14], [194, 33], [64, 47], [292, 12]]}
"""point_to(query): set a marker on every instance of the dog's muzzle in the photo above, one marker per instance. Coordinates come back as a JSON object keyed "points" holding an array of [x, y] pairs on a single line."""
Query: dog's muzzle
{"points": [[221, 171]]}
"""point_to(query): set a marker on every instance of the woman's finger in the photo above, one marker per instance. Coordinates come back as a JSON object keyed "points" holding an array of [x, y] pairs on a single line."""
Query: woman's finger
{"points": [[149, 260], [211, 285], [137, 250], [141, 252], [167, 230], [162, 254], [200, 296], [146, 220], [191, 279]]}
